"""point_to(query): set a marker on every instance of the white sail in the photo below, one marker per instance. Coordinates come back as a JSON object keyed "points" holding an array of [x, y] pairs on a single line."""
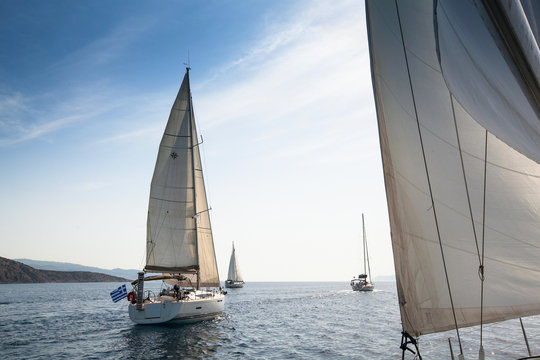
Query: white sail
{"points": [[234, 271], [179, 234], [459, 125]]}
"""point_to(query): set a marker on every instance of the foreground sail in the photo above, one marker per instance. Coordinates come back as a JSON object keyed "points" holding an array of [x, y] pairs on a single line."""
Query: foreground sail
{"points": [[363, 282], [234, 278], [456, 86], [179, 235]]}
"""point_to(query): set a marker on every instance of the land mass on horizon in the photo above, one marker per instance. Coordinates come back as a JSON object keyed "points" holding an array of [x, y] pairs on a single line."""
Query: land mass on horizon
{"points": [[14, 272]]}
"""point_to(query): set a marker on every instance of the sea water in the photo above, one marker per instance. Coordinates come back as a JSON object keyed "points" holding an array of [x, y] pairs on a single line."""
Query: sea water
{"points": [[308, 320]]}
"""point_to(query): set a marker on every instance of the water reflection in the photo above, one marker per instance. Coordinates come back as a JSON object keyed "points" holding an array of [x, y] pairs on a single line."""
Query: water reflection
{"points": [[199, 340]]}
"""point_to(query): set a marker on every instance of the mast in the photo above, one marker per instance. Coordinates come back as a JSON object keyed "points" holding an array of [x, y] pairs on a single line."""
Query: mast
{"points": [[364, 242], [367, 255], [192, 145]]}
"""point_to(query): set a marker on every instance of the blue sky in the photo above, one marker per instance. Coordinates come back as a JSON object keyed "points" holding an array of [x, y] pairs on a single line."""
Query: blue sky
{"points": [[282, 96]]}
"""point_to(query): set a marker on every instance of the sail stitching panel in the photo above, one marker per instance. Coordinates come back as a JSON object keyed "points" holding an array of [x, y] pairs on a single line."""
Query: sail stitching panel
{"points": [[427, 172], [458, 212], [177, 136], [173, 201]]}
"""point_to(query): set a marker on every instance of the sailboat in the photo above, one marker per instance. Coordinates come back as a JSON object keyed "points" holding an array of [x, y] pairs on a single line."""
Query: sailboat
{"points": [[234, 278], [363, 282], [456, 86], [179, 242]]}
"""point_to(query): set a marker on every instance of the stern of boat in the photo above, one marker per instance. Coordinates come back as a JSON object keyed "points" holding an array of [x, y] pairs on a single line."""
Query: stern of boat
{"points": [[168, 309]]}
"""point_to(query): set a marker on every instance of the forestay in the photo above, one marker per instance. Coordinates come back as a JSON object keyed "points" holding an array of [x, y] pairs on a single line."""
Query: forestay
{"points": [[179, 235], [459, 129]]}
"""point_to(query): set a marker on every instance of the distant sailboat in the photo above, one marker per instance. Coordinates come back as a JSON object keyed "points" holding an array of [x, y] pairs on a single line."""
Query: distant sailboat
{"points": [[457, 91], [234, 278], [363, 282], [179, 235]]}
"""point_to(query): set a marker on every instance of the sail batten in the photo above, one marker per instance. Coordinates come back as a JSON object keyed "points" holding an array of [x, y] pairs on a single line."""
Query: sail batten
{"points": [[179, 236], [441, 80]]}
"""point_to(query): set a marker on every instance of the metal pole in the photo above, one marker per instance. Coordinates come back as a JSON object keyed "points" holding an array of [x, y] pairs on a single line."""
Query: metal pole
{"points": [[140, 290], [525, 337], [364, 242], [192, 145], [451, 351]]}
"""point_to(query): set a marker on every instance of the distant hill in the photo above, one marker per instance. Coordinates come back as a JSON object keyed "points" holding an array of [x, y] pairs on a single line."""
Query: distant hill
{"points": [[63, 266], [14, 272]]}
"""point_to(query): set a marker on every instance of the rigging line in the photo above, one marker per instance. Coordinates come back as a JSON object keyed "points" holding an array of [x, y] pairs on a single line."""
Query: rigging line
{"points": [[368, 267], [428, 178], [465, 178], [367, 253], [207, 182], [364, 242], [481, 268], [142, 260]]}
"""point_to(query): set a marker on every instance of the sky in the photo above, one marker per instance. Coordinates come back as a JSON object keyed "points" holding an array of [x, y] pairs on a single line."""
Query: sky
{"points": [[282, 97]]}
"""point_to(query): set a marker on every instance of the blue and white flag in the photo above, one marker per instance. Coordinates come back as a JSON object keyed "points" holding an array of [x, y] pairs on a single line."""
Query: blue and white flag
{"points": [[119, 293]]}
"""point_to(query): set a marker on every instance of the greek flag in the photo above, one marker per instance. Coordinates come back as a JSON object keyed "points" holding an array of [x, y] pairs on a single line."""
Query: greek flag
{"points": [[119, 293]]}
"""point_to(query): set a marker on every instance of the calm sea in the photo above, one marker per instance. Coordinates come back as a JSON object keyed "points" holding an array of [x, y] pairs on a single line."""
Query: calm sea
{"points": [[261, 321]]}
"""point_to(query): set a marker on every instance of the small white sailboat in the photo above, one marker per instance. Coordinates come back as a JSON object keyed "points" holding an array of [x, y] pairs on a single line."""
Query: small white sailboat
{"points": [[179, 235], [234, 278], [363, 282], [457, 91]]}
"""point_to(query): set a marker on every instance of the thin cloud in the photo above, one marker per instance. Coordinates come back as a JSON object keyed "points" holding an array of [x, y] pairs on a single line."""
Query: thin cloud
{"points": [[11, 103], [37, 120], [24, 117], [152, 132], [315, 59], [107, 48], [36, 131], [13, 107]]}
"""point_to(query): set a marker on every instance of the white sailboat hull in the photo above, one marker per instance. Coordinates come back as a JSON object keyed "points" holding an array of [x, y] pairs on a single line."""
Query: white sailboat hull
{"points": [[167, 309], [361, 285], [234, 284], [368, 287]]}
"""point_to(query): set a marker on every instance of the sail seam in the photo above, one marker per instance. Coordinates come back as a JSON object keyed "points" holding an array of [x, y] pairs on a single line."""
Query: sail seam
{"points": [[172, 201], [178, 136], [176, 147], [471, 252], [405, 179], [176, 187]]}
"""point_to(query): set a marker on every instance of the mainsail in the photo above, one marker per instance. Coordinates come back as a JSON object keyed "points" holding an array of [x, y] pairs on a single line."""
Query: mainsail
{"points": [[456, 89], [234, 271], [179, 234]]}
